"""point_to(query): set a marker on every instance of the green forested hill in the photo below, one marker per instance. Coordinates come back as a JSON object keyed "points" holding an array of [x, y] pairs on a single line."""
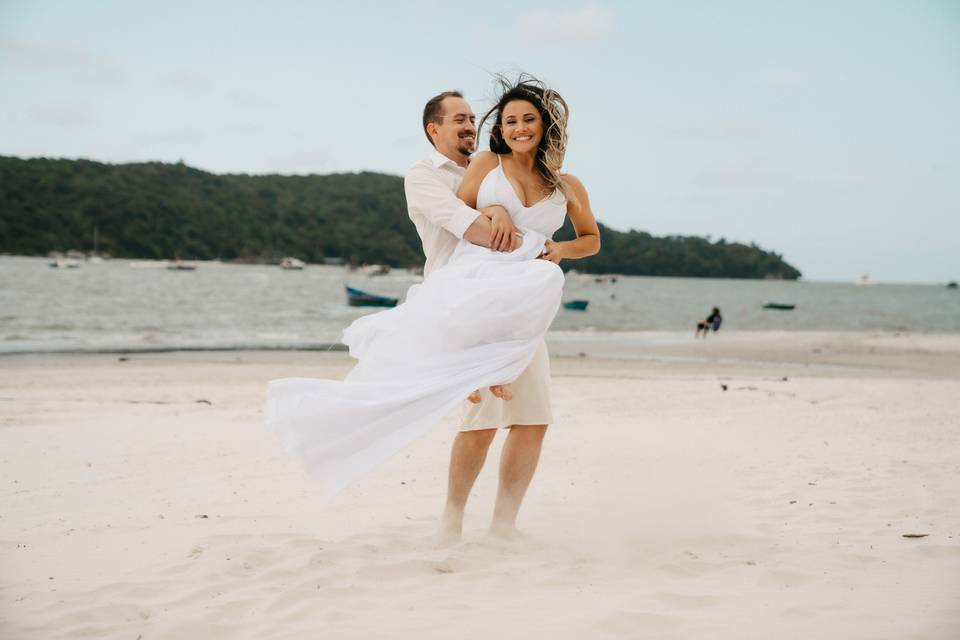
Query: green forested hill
{"points": [[157, 210]]}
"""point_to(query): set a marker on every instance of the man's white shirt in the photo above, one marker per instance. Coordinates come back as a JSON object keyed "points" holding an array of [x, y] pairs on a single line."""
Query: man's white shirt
{"points": [[440, 217]]}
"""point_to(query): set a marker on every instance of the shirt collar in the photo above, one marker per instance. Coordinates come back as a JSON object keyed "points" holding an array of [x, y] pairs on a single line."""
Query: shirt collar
{"points": [[438, 160]]}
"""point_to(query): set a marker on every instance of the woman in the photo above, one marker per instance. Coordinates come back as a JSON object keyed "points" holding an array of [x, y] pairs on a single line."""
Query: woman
{"points": [[528, 141], [475, 322]]}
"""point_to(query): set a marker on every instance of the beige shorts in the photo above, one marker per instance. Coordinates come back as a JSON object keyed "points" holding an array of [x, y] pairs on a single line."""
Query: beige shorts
{"points": [[530, 404]]}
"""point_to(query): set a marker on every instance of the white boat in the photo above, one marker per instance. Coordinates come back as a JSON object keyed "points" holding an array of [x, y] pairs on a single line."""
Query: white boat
{"points": [[375, 269], [65, 263], [292, 263], [866, 281]]}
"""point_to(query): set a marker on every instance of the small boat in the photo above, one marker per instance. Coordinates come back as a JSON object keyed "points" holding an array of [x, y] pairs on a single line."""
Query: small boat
{"points": [[866, 280], [951, 285], [605, 278], [576, 305], [65, 263], [779, 306], [180, 265], [292, 263], [375, 269], [358, 298]]}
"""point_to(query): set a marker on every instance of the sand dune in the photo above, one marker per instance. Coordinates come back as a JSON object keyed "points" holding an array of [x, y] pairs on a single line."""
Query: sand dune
{"points": [[142, 498]]}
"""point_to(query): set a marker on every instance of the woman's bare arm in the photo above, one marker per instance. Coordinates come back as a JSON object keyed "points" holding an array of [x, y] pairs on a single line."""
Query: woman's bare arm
{"points": [[581, 215]]}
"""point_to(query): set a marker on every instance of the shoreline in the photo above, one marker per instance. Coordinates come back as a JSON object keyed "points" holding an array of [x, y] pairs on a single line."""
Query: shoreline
{"points": [[850, 280], [810, 353]]}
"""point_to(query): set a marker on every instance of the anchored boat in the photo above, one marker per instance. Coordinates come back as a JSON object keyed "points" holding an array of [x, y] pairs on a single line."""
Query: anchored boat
{"points": [[358, 298], [292, 264]]}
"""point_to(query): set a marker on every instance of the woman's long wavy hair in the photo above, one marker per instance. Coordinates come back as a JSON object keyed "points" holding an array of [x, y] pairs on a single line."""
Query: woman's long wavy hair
{"points": [[553, 111]]}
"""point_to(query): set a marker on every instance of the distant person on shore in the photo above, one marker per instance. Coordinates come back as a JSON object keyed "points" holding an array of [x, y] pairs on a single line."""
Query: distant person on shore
{"points": [[712, 322]]}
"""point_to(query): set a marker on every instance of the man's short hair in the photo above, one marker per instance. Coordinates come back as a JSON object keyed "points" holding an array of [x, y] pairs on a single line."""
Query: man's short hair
{"points": [[433, 111]]}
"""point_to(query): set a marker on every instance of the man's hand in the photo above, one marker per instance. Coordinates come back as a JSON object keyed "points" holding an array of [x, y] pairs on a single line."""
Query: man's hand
{"points": [[551, 252], [504, 235]]}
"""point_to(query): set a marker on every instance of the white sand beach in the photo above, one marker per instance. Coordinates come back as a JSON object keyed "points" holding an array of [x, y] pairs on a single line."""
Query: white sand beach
{"points": [[745, 486]]}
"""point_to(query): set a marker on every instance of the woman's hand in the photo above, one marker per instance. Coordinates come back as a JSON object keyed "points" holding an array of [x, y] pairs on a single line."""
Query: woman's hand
{"points": [[504, 236], [552, 252]]}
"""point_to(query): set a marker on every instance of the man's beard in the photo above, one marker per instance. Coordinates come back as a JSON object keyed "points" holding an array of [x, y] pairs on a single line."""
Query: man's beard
{"points": [[465, 149]]}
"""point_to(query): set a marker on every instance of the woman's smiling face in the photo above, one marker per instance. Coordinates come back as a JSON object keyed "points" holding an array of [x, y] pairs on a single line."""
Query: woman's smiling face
{"points": [[522, 126]]}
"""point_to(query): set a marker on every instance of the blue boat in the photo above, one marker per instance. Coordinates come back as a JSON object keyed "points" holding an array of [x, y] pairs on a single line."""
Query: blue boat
{"points": [[576, 305], [358, 298]]}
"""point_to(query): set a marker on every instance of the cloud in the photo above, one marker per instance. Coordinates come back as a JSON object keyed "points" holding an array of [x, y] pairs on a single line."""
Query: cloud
{"points": [[247, 98], [563, 28], [245, 128], [784, 78], [299, 162], [47, 56], [187, 82], [64, 114], [178, 137], [718, 130], [91, 65], [809, 183]]}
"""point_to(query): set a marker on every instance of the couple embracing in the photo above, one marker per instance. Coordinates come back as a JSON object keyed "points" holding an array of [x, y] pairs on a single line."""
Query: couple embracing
{"points": [[474, 329]]}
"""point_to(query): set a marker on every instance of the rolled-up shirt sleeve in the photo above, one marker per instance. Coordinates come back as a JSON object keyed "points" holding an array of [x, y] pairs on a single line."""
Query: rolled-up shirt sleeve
{"points": [[427, 195]]}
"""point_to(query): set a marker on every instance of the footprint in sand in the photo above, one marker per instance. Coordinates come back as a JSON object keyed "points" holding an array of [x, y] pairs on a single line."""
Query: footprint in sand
{"points": [[685, 601], [627, 623], [938, 551], [787, 578]]}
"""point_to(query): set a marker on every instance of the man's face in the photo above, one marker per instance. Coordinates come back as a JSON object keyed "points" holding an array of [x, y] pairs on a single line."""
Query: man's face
{"points": [[456, 135]]}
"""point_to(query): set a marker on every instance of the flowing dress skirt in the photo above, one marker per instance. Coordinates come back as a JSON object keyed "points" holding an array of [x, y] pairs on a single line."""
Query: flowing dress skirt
{"points": [[475, 322]]}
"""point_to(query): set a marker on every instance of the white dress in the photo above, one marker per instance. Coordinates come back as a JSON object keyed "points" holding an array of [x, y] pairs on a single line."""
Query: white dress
{"points": [[475, 322]]}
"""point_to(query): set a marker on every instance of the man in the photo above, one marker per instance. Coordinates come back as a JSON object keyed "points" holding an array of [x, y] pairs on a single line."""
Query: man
{"points": [[441, 220]]}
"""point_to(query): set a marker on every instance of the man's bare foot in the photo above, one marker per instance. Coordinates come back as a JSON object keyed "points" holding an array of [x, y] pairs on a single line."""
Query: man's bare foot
{"points": [[448, 534], [474, 397], [506, 533], [502, 391]]}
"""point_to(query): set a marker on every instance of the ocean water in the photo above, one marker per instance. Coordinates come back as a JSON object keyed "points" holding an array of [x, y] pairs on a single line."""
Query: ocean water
{"points": [[135, 305]]}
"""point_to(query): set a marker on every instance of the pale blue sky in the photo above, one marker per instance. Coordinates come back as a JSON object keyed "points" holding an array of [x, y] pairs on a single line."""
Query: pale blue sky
{"points": [[827, 131]]}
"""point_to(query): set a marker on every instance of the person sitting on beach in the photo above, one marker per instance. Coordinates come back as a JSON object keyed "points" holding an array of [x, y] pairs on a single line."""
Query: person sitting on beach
{"points": [[713, 321]]}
